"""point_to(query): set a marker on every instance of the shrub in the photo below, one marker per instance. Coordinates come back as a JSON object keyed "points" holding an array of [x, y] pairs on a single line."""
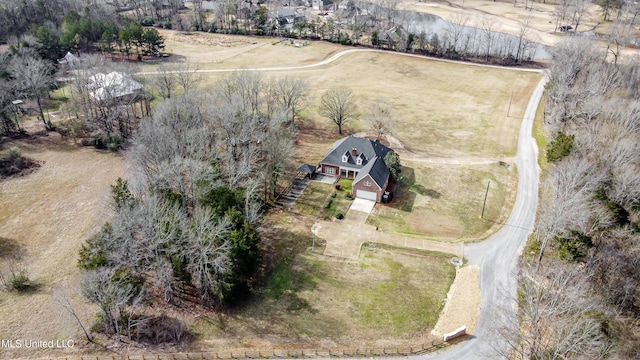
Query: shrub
{"points": [[147, 21], [20, 281], [333, 195], [348, 196], [14, 154], [339, 216], [328, 204], [560, 147], [338, 186]]}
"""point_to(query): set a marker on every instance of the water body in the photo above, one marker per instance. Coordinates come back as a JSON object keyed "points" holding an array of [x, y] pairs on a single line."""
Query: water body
{"points": [[469, 39]]}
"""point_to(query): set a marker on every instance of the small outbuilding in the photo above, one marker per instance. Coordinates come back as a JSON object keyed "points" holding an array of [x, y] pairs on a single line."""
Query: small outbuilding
{"points": [[306, 169]]}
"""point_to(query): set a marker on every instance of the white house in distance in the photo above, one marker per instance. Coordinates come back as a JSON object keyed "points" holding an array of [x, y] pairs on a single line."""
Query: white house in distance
{"points": [[113, 86]]}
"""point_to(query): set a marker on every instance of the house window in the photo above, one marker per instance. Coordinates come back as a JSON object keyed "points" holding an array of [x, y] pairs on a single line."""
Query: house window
{"points": [[367, 183], [345, 158], [330, 170], [359, 161]]}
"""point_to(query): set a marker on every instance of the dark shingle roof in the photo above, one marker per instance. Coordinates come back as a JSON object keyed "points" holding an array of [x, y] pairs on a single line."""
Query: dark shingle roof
{"points": [[306, 168], [369, 148], [377, 169]]}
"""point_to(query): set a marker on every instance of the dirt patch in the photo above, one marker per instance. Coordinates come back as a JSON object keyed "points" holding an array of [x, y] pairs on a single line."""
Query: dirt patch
{"points": [[463, 302], [429, 222], [210, 40]]}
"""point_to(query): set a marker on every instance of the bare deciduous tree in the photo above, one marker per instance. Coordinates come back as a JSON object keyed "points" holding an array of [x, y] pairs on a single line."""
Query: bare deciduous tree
{"points": [[339, 105], [187, 77], [34, 77], [566, 196], [555, 318], [291, 93], [165, 81], [380, 118], [207, 253]]}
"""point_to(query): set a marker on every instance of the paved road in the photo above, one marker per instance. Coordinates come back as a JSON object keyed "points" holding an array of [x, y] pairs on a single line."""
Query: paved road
{"points": [[498, 255], [338, 55]]}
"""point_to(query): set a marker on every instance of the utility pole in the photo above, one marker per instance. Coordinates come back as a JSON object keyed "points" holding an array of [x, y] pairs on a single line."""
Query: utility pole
{"points": [[485, 199], [509, 108]]}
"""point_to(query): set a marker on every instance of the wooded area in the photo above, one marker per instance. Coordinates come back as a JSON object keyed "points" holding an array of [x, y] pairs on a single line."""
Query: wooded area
{"points": [[579, 283], [187, 227]]}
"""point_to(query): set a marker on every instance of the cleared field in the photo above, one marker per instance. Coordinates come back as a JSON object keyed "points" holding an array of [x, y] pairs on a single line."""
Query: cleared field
{"points": [[382, 299], [441, 109], [44, 218], [216, 51], [444, 202]]}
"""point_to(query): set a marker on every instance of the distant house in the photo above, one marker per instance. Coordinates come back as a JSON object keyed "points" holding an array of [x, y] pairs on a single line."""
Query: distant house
{"points": [[362, 160], [246, 10], [324, 5], [394, 37], [70, 59], [113, 86]]}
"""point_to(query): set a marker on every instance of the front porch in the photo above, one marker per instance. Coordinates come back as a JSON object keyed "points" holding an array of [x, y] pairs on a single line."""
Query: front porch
{"points": [[348, 174]]}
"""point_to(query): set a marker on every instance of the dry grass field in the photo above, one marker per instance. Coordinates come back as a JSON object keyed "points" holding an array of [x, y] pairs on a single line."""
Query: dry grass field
{"points": [[442, 110], [444, 202], [45, 216]]}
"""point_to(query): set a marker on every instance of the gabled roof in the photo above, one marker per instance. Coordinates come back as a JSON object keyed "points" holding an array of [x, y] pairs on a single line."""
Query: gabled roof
{"points": [[378, 171], [70, 59], [111, 86], [369, 148], [306, 168]]}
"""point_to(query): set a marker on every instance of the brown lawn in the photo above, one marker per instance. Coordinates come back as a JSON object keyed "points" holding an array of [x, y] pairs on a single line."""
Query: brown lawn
{"points": [[44, 218]]}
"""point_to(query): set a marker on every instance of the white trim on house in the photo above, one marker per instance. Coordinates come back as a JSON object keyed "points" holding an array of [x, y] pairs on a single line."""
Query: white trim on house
{"points": [[368, 178], [369, 195]]}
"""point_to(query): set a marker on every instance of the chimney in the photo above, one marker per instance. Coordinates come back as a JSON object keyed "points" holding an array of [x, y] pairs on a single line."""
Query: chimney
{"points": [[354, 152]]}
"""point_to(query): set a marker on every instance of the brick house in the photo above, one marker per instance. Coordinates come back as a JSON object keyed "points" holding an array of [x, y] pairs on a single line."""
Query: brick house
{"points": [[362, 160]]}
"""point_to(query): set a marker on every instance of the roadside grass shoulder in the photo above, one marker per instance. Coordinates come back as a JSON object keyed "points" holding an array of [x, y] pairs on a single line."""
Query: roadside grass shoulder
{"points": [[539, 136]]}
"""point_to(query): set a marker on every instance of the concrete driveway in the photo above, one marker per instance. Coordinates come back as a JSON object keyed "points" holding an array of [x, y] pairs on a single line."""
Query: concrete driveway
{"points": [[362, 205], [345, 238]]}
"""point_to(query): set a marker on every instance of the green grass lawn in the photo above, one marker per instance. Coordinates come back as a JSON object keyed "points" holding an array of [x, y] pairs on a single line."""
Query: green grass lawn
{"points": [[445, 202], [324, 201], [538, 134], [390, 295]]}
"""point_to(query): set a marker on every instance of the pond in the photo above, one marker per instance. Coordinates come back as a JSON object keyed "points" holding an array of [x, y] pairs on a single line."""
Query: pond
{"points": [[470, 40]]}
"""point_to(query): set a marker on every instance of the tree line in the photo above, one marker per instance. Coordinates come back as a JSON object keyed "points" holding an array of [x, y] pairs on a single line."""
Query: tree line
{"points": [[187, 224], [579, 294]]}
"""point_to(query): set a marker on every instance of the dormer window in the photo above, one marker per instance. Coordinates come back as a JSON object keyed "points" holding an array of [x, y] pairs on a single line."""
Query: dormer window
{"points": [[360, 159], [345, 157]]}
